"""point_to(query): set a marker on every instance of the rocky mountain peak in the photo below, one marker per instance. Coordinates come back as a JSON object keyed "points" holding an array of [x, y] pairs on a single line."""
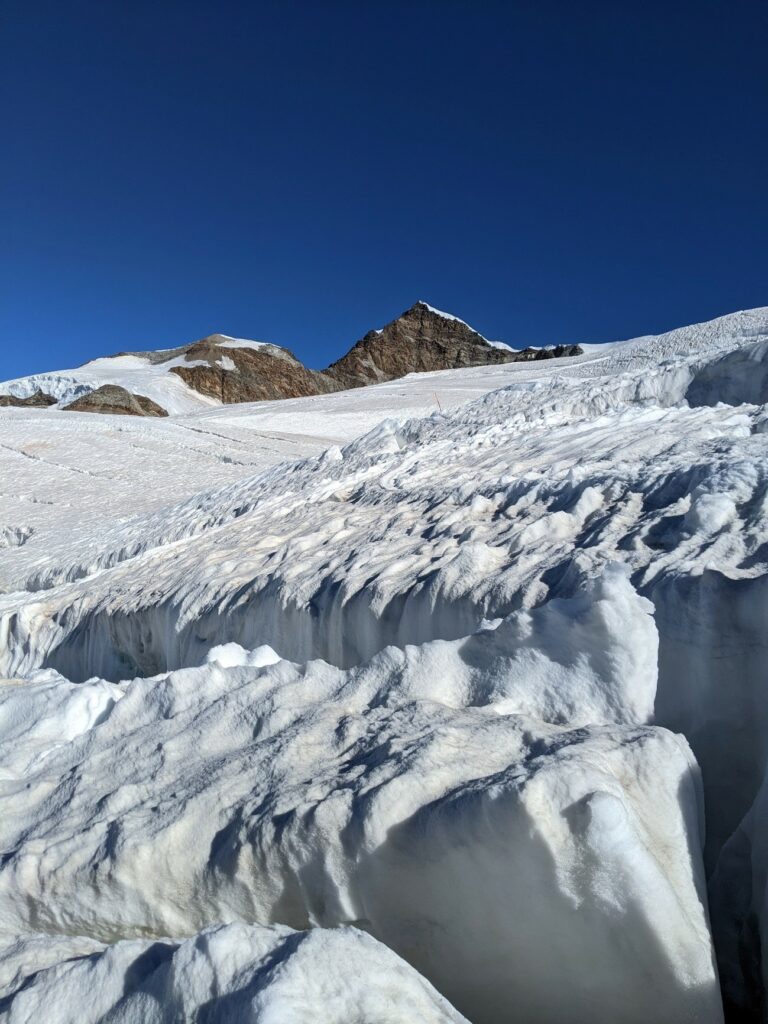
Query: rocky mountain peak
{"points": [[421, 339], [420, 308]]}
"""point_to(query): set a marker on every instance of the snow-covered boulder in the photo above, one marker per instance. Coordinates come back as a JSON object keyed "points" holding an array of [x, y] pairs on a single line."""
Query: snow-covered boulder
{"points": [[236, 974]]}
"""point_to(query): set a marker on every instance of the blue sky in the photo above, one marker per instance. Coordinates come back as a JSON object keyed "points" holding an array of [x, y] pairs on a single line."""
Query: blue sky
{"points": [[300, 172]]}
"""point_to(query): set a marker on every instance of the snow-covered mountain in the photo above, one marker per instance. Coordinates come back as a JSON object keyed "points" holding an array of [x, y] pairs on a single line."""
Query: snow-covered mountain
{"points": [[218, 369], [222, 370], [441, 699]]}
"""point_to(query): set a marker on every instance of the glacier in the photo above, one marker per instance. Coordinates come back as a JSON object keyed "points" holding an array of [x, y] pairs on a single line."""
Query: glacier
{"points": [[467, 702], [475, 840]]}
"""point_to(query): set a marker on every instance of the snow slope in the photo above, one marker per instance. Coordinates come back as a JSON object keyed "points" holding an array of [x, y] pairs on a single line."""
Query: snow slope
{"points": [[135, 373], [501, 632]]}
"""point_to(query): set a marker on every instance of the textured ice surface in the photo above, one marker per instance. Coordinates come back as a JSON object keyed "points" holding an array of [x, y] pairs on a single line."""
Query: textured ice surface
{"points": [[475, 772], [481, 845], [63, 479], [234, 973]]}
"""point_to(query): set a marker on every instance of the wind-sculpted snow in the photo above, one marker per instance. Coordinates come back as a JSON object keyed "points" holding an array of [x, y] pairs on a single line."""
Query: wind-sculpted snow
{"points": [[66, 481], [477, 772], [635, 373], [478, 842], [405, 547], [248, 974]]}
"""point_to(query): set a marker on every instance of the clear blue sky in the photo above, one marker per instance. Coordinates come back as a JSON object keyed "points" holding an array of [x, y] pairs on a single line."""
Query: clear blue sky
{"points": [[302, 171]]}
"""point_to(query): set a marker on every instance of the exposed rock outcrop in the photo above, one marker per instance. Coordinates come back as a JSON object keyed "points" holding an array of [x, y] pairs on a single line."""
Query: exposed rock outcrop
{"points": [[248, 372], [424, 339], [111, 398], [528, 355], [420, 340], [39, 400]]}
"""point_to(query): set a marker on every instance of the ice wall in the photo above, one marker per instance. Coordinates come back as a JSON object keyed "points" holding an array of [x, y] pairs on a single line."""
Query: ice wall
{"points": [[420, 797]]}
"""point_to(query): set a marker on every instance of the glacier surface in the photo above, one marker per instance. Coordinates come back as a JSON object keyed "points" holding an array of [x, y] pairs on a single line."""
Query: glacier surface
{"points": [[362, 708]]}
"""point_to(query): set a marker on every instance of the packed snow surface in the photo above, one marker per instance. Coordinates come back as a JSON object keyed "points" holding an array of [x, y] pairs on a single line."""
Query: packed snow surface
{"points": [[472, 701]]}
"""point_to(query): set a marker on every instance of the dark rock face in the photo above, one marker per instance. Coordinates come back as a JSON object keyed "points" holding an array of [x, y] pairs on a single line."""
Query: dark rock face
{"points": [[528, 355], [423, 340], [235, 374], [418, 341], [37, 401], [110, 398]]}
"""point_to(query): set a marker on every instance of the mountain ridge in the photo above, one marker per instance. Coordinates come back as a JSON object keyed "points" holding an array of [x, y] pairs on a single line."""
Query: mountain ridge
{"points": [[226, 370]]}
